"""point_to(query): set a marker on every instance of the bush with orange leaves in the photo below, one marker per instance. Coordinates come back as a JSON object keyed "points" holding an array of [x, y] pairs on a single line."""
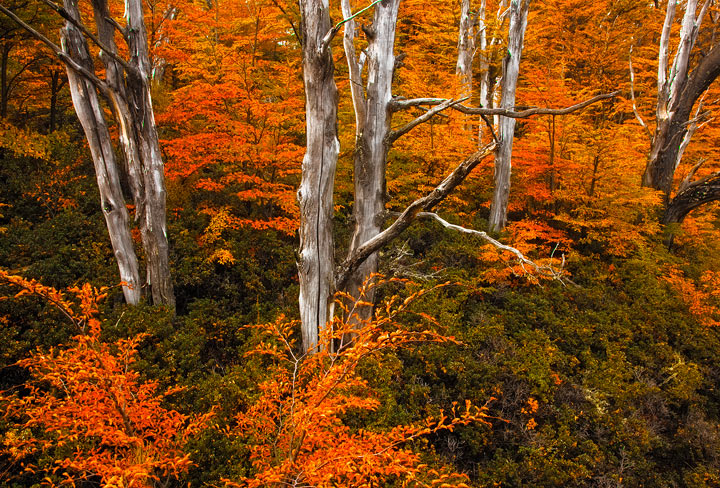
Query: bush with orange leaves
{"points": [[295, 429], [87, 410]]}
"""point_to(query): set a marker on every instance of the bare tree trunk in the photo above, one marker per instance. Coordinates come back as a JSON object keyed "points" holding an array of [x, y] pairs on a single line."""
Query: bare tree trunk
{"points": [[139, 141], [90, 113], [677, 93], [485, 89], [153, 227], [466, 48], [503, 156], [315, 195], [372, 144]]}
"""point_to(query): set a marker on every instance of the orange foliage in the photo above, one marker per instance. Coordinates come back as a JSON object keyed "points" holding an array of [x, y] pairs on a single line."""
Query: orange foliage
{"points": [[234, 126], [89, 407], [703, 298], [296, 427]]}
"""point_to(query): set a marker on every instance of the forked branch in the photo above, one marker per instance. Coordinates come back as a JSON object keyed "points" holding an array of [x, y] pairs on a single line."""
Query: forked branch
{"points": [[59, 52], [399, 104], [423, 204]]}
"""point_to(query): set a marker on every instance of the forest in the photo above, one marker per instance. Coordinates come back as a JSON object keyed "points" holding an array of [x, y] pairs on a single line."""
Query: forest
{"points": [[357, 243]]}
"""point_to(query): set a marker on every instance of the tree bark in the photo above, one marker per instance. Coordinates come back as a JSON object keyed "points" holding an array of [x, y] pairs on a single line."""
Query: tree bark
{"points": [[315, 195], [371, 138], [677, 94], [466, 49], [693, 196], [138, 137], [90, 113], [503, 156]]}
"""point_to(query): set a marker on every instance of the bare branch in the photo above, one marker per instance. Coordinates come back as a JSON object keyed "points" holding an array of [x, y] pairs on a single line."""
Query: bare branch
{"points": [[59, 52], [66, 15], [687, 181], [425, 203], [394, 135], [544, 271], [632, 95], [332, 32], [398, 104]]}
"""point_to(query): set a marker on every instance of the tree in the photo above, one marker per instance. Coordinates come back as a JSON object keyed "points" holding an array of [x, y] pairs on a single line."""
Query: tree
{"points": [[506, 126], [680, 88], [127, 86], [374, 106]]}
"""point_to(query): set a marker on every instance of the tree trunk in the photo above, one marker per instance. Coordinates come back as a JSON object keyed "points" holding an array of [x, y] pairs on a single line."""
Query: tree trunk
{"points": [[503, 156], [466, 50], [666, 145], [139, 141], [90, 112], [315, 195], [372, 144], [693, 196], [152, 224], [677, 93]]}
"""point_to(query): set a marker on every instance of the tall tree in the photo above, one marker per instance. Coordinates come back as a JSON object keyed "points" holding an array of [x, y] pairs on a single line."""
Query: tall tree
{"points": [[506, 129], [127, 85], [315, 195], [680, 87]]}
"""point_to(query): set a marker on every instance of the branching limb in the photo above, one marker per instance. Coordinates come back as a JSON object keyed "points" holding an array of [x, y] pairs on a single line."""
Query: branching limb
{"points": [[632, 95], [406, 218], [59, 52], [332, 32], [687, 181], [544, 271], [66, 15], [394, 135], [402, 104]]}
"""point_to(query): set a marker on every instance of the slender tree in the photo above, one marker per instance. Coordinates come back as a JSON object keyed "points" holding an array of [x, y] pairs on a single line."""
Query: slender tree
{"points": [[506, 127], [127, 86]]}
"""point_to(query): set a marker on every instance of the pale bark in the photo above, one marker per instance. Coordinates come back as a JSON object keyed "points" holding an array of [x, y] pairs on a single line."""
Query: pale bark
{"points": [[127, 85], [315, 195], [90, 114], [373, 118], [153, 227], [130, 94], [677, 93], [506, 126], [466, 49], [484, 62]]}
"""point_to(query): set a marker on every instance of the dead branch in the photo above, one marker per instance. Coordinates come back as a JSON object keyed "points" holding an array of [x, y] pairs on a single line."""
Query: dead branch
{"points": [[399, 104], [59, 52], [394, 135], [632, 95], [409, 215], [549, 272]]}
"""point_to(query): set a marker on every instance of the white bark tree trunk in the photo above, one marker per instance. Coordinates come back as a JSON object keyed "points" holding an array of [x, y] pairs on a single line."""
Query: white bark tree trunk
{"points": [[130, 95], [373, 118], [90, 113], [466, 48], [315, 195], [675, 97], [503, 156]]}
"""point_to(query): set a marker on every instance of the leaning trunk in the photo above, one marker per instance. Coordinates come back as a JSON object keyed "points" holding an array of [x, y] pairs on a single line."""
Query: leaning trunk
{"points": [[315, 195], [139, 141], [90, 113], [503, 156]]}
